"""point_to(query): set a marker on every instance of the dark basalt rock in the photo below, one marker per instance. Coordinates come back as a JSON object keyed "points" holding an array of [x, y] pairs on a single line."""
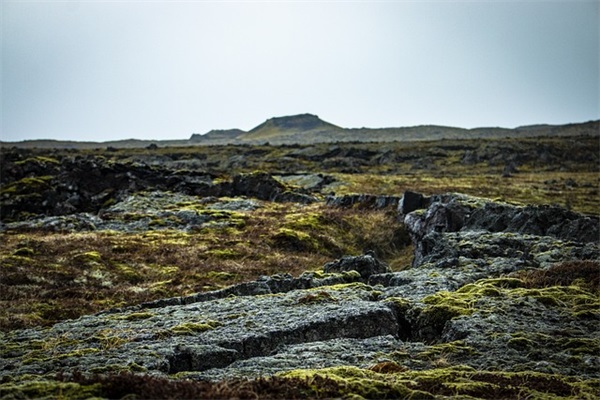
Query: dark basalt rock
{"points": [[453, 212], [412, 201], [366, 265], [88, 184], [536, 220], [368, 201]]}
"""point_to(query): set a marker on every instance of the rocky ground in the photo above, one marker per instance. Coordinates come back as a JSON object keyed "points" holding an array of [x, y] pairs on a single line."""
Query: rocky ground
{"points": [[497, 300]]}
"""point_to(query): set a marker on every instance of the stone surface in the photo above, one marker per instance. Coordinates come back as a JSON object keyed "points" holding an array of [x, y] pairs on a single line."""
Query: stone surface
{"points": [[462, 302], [145, 211], [91, 184], [362, 201], [366, 265]]}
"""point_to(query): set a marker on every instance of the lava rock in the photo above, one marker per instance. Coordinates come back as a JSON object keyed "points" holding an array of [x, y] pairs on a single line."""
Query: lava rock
{"points": [[366, 265]]}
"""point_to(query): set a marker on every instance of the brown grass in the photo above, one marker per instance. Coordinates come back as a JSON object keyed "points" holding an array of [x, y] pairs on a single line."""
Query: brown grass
{"points": [[585, 273], [66, 275]]}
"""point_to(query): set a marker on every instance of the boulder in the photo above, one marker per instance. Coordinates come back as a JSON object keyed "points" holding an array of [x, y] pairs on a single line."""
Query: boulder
{"points": [[454, 212], [263, 186], [412, 201], [366, 265]]}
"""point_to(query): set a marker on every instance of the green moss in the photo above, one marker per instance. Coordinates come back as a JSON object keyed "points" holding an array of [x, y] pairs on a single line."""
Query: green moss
{"points": [[452, 303], [31, 186], [50, 347], [445, 349], [89, 257], [343, 286], [190, 328], [109, 338], [78, 353], [15, 261], [305, 221], [110, 202], [572, 299], [127, 272], [450, 382], [24, 252], [294, 240], [38, 159], [400, 304], [39, 388], [358, 383], [503, 282], [317, 297], [345, 275], [479, 290], [118, 368]]}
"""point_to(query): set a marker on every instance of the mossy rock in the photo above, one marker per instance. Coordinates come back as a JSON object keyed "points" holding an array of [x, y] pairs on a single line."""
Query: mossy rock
{"points": [[31, 186], [356, 382], [38, 160], [41, 388], [293, 240], [191, 328]]}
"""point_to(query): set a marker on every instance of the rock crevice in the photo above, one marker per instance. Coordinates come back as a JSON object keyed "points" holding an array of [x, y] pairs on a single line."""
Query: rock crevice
{"points": [[471, 290]]}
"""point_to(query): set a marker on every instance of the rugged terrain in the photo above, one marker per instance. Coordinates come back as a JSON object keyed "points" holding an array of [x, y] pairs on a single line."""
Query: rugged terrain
{"points": [[455, 268]]}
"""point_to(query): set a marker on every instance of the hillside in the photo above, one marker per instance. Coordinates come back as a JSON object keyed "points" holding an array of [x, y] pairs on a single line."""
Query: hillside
{"points": [[305, 129], [217, 135]]}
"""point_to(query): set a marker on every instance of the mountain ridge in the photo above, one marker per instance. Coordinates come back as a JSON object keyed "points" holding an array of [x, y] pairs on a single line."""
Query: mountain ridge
{"points": [[310, 129]]}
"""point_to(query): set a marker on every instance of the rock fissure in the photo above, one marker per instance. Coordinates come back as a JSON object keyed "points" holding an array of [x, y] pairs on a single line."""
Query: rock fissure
{"points": [[473, 269]]}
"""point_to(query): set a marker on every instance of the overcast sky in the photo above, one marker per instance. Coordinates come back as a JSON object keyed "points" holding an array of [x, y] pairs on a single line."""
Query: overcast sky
{"points": [[104, 70]]}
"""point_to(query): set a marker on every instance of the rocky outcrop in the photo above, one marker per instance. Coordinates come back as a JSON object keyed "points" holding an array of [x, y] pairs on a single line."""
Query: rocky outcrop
{"points": [[42, 186], [262, 185], [362, 201], [454, 213], [474, 296], [366, 265]]}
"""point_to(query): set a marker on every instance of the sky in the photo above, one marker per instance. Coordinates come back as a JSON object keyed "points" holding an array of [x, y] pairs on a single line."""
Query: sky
{"points": [[158, 70]]}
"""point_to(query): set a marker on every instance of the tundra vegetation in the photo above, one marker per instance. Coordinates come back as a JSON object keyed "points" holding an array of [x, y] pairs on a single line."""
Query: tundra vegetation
{"points": [[106, 250]]}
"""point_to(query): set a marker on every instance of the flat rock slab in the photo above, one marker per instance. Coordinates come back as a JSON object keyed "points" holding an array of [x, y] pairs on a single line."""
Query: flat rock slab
{"points": [[199, 336]]}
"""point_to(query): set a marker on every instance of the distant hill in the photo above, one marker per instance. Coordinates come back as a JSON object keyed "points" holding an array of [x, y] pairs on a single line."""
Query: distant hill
{"points": [[217, 134], [309, 129], [296, 128]]}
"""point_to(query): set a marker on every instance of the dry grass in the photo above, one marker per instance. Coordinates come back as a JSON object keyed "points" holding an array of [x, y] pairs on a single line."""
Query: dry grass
{"points": [[48, 277], [585, 274], [528, 187]]}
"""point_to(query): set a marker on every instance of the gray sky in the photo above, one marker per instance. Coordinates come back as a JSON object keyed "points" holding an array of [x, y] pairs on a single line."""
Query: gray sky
{"points": [[104, 70]]}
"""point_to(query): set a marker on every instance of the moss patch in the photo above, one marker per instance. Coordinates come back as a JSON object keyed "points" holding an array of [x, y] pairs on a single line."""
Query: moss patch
{"points": [[190, 328], [40, 388]]}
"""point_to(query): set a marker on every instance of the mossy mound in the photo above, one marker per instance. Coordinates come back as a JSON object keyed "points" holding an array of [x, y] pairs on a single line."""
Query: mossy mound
{"points": [[379, 382]]}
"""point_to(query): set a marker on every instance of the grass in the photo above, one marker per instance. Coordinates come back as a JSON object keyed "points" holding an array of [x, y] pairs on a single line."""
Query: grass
{"points": [[47, 277], [385, 381], [542, 187]]}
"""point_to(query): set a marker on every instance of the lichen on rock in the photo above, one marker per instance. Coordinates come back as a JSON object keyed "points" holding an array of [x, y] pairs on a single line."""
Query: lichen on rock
{"points": [[501, 300]]}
